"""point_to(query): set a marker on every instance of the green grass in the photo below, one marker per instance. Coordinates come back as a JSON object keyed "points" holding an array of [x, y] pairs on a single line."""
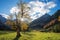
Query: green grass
{"points": [[34, 35]]}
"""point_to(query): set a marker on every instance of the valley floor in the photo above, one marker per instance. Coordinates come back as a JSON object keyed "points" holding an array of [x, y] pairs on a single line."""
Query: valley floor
{"points": [[34, 35]]}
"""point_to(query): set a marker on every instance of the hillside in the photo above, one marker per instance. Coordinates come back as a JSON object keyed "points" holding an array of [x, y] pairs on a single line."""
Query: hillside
{"points": [[56, 14], [40, 22], [2, 24], [2, 19], [54, 24]]}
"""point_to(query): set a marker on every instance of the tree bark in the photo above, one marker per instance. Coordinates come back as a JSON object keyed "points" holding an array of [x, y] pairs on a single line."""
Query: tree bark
{"points": [[18, 29], [18, 32]]}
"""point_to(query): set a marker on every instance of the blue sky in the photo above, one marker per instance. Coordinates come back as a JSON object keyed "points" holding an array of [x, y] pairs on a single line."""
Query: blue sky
{"points": [[6, 5], [53, 10]]}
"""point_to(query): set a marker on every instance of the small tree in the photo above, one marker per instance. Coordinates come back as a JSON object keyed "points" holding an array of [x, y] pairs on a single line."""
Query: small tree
{"points": [[56, 28], [24, 26]]}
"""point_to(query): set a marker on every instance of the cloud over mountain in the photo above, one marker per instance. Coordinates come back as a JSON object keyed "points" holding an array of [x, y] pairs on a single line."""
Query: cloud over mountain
{"points": [[39, 8], [4, 15]]}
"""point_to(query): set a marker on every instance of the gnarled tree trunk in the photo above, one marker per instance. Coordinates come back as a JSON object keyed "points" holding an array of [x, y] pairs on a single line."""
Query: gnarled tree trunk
{"points": [[18, 30]]}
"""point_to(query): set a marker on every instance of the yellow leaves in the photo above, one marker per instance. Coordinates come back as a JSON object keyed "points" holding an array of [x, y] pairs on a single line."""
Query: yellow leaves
{"points": [[24, 26], [12, 24], [59, 18]]}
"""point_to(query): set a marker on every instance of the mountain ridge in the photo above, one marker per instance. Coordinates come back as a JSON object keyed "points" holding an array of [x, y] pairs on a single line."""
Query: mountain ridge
{"points": [[40, 22]]}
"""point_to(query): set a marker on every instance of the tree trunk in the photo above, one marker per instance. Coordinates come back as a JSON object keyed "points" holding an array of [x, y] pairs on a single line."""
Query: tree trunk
{"points": [[18, 31]]}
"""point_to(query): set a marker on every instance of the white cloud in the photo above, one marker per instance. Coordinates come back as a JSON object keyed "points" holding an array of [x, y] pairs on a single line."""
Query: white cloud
{"points": [[50, 5], [37, 4], [14, 9], [5, 15], [39, 8]]}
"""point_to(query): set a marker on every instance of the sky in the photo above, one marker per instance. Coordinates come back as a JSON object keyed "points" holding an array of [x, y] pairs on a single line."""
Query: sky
{"points": [[38, 7]]}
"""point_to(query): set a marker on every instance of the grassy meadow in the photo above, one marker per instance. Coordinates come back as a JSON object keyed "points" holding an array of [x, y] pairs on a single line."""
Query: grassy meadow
{"points": [[33, 35]]}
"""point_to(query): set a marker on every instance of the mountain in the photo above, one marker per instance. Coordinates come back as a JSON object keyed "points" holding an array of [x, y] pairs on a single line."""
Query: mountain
{"points": [[2, 24], [2, 19], [40, 22], [55, 19]]}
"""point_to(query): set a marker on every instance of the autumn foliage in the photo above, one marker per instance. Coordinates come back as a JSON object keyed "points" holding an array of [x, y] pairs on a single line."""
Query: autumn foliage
{"points": [[12, 24]]}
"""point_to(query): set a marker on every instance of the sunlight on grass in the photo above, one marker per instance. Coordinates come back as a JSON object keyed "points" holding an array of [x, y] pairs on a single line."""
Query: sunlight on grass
{"points": [[35, 35]]}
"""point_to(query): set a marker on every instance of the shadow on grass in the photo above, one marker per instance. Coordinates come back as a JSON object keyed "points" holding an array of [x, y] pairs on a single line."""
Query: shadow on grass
{"points": [[17, 37]]}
